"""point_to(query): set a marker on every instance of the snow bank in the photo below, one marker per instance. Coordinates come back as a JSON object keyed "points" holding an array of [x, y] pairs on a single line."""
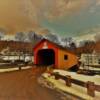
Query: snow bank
{"points": [[80, 77], [27, 67], [74, 89], [13, 69], [91, 68], [8, 70]]}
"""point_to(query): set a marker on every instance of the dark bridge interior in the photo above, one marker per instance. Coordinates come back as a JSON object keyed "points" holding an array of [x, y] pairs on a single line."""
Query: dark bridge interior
{"points": [[46, 57]]}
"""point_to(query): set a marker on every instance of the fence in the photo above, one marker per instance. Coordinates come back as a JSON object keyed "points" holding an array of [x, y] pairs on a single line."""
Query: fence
{"points": [[91, 86]]}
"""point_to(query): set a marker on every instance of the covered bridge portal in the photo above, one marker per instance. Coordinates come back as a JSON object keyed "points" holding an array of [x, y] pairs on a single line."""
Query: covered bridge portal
{"points": [[48, 53], [46, 57]]}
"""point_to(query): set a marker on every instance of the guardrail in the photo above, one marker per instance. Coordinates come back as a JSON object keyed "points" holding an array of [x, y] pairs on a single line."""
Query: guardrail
{"points": [[91, 86]]}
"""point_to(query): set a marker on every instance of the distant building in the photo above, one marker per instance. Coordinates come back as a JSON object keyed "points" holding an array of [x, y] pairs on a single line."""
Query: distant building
{"points": [[12, 50], [49, 53], [15, 46], [90, 55], [91, 59]]}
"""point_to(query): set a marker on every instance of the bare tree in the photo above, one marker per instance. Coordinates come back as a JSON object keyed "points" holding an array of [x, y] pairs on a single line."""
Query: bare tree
{"points": [[73, 46], [20, 36], [89, 46], [2, 34], [82, 43], [33, 37], [52, 37], [64, 40], [67, 41]]}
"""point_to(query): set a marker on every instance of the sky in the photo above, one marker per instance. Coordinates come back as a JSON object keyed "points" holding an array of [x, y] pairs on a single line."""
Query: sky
{"points": [[63, 17]]}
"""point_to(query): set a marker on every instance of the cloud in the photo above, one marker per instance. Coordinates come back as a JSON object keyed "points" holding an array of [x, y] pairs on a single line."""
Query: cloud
{"points": [[60, 8], [95, 6], [43, 31], [88, 34], [18, 15], [24, 15], [97, 2]]}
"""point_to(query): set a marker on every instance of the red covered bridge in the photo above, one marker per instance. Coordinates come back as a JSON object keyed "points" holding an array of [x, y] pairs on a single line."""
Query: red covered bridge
{"points": [[49, 53]]}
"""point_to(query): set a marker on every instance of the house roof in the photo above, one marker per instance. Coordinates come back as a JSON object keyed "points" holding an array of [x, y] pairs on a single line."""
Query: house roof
{"points": [[56, 45], [89, 49], [16, 46]]}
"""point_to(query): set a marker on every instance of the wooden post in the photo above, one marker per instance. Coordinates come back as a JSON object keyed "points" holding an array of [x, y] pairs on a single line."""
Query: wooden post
{"points": [[91, 88], [68, 81], [56, 77], [20, 68]]}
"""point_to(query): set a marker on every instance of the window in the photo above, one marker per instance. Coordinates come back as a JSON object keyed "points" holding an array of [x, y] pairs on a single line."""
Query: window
{"points": [[65, 57]]}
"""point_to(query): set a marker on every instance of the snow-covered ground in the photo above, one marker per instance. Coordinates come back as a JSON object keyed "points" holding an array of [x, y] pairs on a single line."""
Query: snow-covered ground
{"points": [[74, 89], [81, 77], [91, 68], [13, 69], [14, 58]]}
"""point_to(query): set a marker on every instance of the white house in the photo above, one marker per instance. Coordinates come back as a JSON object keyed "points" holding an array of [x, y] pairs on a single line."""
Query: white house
{"points": [[92, 59]]}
